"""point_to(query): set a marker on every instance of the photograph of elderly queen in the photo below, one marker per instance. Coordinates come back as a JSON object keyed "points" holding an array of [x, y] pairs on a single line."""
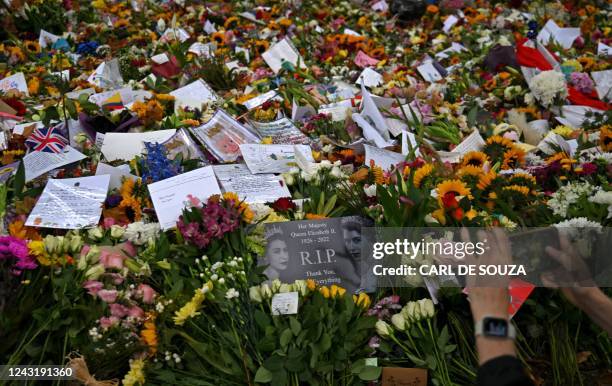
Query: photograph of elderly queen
{"points": [[327, 251]]}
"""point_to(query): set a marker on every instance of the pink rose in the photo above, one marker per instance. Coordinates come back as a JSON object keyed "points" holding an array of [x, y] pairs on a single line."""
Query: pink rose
{"points": [[108, 296], [93, 287], [147, 293], [108, 222], [136, 312], [118, 310], [111, 259], [129, 248], [116, 278], [106, 322]]}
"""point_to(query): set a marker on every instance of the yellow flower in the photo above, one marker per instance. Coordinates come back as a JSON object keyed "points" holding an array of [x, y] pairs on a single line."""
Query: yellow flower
{"points": [[378, 175], [165, 97], [37, 249], [99, 4], [190, 309], [486, 180], [452, 186], [439, 215], [363, 300], [605, 138], [516, 188], [324, 291], [470, 170], [149, 335], [266, 141], [33, 86], [311, 284], [422, 173], [474, 158], [136, 374], [563, 131], [470, 214], [513, 158], [337, 291]]}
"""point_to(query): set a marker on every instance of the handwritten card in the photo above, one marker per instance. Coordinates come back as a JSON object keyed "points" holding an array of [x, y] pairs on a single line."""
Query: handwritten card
{"points": [[169, 196], [71, 203], [37, 163], [280, 52], [603, 49], [126, 146], [14, 82], [252, 188], [107, 75], [272, 158], [46, 39], [285, 303], [201, 49], [472, 142], [282, 131], [261, 99], [603, 84], [400, 376], [383, 158], [194, 95]]}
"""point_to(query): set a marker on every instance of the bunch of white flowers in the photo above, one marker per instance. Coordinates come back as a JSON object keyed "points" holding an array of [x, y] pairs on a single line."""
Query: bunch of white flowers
{"points": [[568, 195], [139, 233], [548, 86], [413, 312], [265, 291], [603, 197]]}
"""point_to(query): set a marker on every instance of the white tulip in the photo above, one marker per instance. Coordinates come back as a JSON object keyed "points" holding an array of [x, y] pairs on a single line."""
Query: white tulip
{"points": [[383, 329], [399, 322]]}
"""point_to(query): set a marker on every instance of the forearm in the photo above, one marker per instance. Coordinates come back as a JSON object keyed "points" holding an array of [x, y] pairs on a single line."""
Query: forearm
{"points": [[599, 308], [489, 348]]}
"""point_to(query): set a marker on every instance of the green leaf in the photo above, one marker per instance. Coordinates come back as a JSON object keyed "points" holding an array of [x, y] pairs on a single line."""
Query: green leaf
{"points": [[262, 319], [286, 337], [263, 375], [370, 373], [296, 327], [19, 181]]}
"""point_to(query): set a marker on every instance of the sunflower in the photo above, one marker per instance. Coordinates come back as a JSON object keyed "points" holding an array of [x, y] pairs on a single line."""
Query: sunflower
{"points": [[231, 22], [486, 179], [32, 46], [517, 188], [285, 22], [474, 158], [496, 146], [523, 179], [469, 170], [377, 174], [605, 138], [451, 189], [261, 46], [421, 173], [513, 158], [219, 37]]}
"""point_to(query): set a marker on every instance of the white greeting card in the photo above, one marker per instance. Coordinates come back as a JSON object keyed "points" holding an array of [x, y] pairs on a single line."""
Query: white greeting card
{"points": [[37, 163], [14, 82], [193, 95], [273, 158], [169, 195], [381, 157], [280, 52], [71, 203], [252, 188], [126, 146]]}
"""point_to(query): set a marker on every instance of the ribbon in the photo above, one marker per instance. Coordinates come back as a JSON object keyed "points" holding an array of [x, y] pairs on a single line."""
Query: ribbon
{"points": [[81, 373]]}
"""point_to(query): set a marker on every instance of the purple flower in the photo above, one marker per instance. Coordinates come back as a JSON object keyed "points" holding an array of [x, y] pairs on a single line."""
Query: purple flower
{"points": [[13, 248], [582, 82]]}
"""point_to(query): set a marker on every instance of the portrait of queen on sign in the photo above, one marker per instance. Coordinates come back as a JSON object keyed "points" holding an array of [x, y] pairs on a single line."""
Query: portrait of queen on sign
{"points": [[327, 251]]}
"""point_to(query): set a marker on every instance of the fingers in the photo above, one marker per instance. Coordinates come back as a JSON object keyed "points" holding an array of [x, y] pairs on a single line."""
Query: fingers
{"points": [[560, 257]]}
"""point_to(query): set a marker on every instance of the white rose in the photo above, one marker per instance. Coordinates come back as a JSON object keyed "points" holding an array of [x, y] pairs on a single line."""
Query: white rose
{"points": [[427, 308], [383, 329], [336, 172], [266, 292], [300, 286], [95, 233], [276, 284], [284, 288], [117, 231], [94, 272], [399, 322]]}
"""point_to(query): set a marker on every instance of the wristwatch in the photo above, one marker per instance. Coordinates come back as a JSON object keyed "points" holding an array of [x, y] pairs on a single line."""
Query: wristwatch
{"points": [[493, 327]]}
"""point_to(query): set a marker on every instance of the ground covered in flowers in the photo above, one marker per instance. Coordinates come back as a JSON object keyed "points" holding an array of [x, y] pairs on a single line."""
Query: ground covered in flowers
{"points": [[487, 121]]}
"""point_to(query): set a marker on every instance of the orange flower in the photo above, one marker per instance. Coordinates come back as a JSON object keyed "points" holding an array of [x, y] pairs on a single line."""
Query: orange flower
{"points": [[432, 9], [313, 216]]}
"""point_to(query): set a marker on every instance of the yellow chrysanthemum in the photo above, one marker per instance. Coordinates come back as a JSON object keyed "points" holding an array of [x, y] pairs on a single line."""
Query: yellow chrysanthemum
{"points": [[190, 309], [421, 174], [136, 374]]}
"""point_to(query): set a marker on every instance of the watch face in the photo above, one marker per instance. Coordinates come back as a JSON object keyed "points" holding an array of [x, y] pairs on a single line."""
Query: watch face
{"points": [[495, 327]]}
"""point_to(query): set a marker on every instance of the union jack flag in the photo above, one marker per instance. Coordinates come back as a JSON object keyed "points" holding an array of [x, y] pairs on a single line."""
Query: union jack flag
{"points": [[46, 139]]}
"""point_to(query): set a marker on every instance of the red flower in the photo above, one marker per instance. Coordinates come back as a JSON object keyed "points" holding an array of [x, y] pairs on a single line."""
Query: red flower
{"points": [[16, 104], [449, 200], [283, 204], [457, 214]]}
